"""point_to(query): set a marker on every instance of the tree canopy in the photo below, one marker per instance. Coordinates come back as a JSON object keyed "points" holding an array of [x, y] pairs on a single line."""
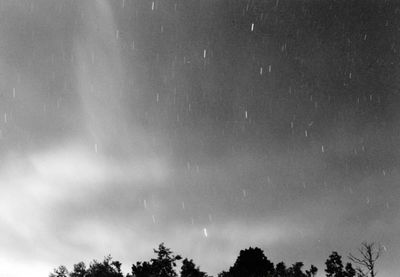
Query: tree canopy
{"points": [[334, 267], [250, 262]]}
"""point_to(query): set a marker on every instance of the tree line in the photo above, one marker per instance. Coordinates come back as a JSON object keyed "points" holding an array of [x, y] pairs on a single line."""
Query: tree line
{"points": [[251, 262]]}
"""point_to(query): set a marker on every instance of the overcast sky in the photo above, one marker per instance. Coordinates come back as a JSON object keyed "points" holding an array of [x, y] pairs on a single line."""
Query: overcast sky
{"points": [[211, 126]]}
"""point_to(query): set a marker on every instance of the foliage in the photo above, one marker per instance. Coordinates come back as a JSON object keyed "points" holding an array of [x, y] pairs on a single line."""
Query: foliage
{"points": [[253, 263], [107, 268], [61, 271], [296, 270], [281, 270], [79, 270], [162, 266], [334, 267], [189, 269]]}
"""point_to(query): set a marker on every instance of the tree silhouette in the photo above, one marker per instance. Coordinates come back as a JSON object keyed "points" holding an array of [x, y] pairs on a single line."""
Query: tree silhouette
{"points": [[281, 270], [189, 269], [162, 266], [296, 270], [79, 270], [223, 274], [334, 267], [312, 271], [350, 271], [369, 254], [107, 268], [141, 269], [61, 271], [252, 263]]}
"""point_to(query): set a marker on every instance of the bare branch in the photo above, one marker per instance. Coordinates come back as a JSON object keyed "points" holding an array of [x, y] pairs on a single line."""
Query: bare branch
{"points": [[369, 253]]}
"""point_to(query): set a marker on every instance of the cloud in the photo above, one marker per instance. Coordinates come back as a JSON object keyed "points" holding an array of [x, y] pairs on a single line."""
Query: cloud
{"points": [[38, 193], [69, 203]]}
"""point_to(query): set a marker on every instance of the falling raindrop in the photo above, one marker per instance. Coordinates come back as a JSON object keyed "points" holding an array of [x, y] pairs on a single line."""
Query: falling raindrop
{"points": [[205, 232], [252, 27]]}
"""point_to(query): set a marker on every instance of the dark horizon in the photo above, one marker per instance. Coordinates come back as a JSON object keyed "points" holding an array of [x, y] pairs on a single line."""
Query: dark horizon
{"points": [[209, 125], [250, 262]]}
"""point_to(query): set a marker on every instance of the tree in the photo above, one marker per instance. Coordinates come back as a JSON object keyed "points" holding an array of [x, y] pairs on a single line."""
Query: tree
{"points": [[350, 271], [281, 270], [312, 271], [107, 268], [61, 271], [223, 274], [189, 269], [141, 269], [162, 266], [296, 270], [334, 267], [165, 262], [369, 254], [252, 263], [79, 270]]}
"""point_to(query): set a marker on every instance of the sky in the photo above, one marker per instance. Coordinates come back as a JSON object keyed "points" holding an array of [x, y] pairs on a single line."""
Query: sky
{"points": [[209, 125]]}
